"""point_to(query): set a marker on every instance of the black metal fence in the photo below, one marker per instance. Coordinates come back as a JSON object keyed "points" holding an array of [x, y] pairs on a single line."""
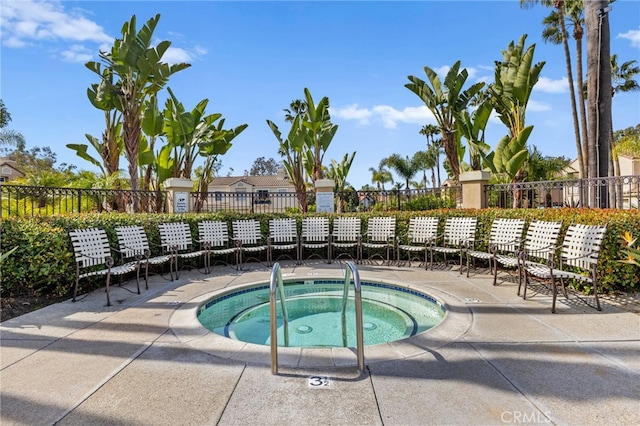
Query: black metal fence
{"points": [[616, 192], [621, 192], [16, 200], [347, 201]]}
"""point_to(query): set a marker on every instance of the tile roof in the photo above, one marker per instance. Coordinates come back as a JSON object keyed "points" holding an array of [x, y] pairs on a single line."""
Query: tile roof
{"points": [[269, 180]]}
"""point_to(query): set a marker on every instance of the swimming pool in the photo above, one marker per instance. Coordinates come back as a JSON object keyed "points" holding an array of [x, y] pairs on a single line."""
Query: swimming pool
{"points": [[390, 313]]}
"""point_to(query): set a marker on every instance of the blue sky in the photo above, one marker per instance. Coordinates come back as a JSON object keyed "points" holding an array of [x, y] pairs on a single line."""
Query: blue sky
{"points": [[251, 59]]}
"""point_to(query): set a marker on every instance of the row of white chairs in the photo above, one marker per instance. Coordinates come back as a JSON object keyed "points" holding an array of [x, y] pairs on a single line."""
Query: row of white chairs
{"points": [[537, 254]]}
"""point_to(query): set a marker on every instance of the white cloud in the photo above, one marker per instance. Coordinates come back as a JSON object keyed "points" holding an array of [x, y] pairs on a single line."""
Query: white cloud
{"points": [[24, 21], [547, 85], [389, 116], [537, 106], [352, 112], [174, 55], [633, 35], [77, 53], [442, 71]]}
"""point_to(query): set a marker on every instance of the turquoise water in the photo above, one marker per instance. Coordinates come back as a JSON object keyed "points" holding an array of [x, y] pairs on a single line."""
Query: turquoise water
{"points": [[314, 311]]}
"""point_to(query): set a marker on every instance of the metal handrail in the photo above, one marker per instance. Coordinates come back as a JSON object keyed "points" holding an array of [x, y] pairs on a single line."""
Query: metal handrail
{"points": [[276, 281], [351, 270]]}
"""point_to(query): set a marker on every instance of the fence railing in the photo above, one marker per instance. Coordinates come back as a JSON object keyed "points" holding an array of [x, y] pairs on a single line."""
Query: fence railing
{"points": [[347, 201], [621, 192], [16, 200]]}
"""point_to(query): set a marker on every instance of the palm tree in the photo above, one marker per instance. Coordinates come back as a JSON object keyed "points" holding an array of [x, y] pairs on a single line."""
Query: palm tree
{"points": [[425, 160], [598, 92], [622, 80], [380, 176], [433, 149], [405, 167], [446, 103], [555, 31], [9, 137], [297, 107]]}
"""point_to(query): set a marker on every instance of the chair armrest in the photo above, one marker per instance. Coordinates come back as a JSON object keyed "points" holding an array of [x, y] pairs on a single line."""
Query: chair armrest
{"points": [[493, 248], [581, 257]]}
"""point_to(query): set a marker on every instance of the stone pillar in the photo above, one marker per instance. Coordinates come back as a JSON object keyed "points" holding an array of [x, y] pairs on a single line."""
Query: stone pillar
{"points": [[324, 196], [178, 199], [473, 193]]}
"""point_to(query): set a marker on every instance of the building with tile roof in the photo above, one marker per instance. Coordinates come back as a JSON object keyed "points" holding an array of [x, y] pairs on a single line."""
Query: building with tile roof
{"points": [[251, 194]]}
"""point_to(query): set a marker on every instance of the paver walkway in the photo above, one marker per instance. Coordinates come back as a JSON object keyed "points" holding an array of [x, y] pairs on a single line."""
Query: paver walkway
{"points": [[496, 359]]}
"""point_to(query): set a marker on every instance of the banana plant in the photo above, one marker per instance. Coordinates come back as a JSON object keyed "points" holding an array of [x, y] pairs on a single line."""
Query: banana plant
{"points": [[472, 127], [152, 124], [183, 130], [515, 77], [111, 146], [292, 150], [141, 74], [338, 172], [213, 142], [446, 104], [319, 132]]}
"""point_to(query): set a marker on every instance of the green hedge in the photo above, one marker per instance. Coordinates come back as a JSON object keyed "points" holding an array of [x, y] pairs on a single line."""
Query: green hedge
{"points": [[44, 261]]}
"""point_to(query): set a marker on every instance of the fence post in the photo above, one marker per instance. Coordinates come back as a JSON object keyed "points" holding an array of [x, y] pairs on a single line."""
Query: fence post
{"points": [[324, 196], [178, 189], [473, 194]]}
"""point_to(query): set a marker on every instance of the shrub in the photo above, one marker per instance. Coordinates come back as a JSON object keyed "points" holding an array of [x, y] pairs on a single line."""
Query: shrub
{"points": [[43, 262]]}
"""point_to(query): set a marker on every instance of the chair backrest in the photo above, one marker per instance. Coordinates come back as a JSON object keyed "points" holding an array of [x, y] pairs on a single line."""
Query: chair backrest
{"points": [[283, 230], [506, 234], [175, 235], [422, 229], [457, 229], [132, 240], [90, 246], [215, 233], [247, 231], [381, 228], [541, 238], [581, 245], [346, 228], [315, 229]]}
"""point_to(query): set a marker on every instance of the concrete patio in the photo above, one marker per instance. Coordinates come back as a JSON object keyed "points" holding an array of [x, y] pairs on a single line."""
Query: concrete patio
{"points": [[495, 359]]}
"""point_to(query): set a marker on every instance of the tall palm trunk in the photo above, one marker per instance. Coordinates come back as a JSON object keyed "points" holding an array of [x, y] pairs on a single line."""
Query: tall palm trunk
{"points": [[577, 35], [572, 95], [451, 152], [131, 136], [599, 94]]}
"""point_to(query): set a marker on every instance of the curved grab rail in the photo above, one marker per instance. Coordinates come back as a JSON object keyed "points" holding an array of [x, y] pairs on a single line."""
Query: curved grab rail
{"points": [[352, 271], [276, 282]]}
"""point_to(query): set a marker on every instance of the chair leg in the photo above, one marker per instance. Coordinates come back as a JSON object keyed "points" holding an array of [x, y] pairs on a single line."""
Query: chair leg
{"points": [[555, 293], [107, 290], [75, 288], [495, 272], [468, 268], [146, 275], [595, 290], [138, 277]]}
